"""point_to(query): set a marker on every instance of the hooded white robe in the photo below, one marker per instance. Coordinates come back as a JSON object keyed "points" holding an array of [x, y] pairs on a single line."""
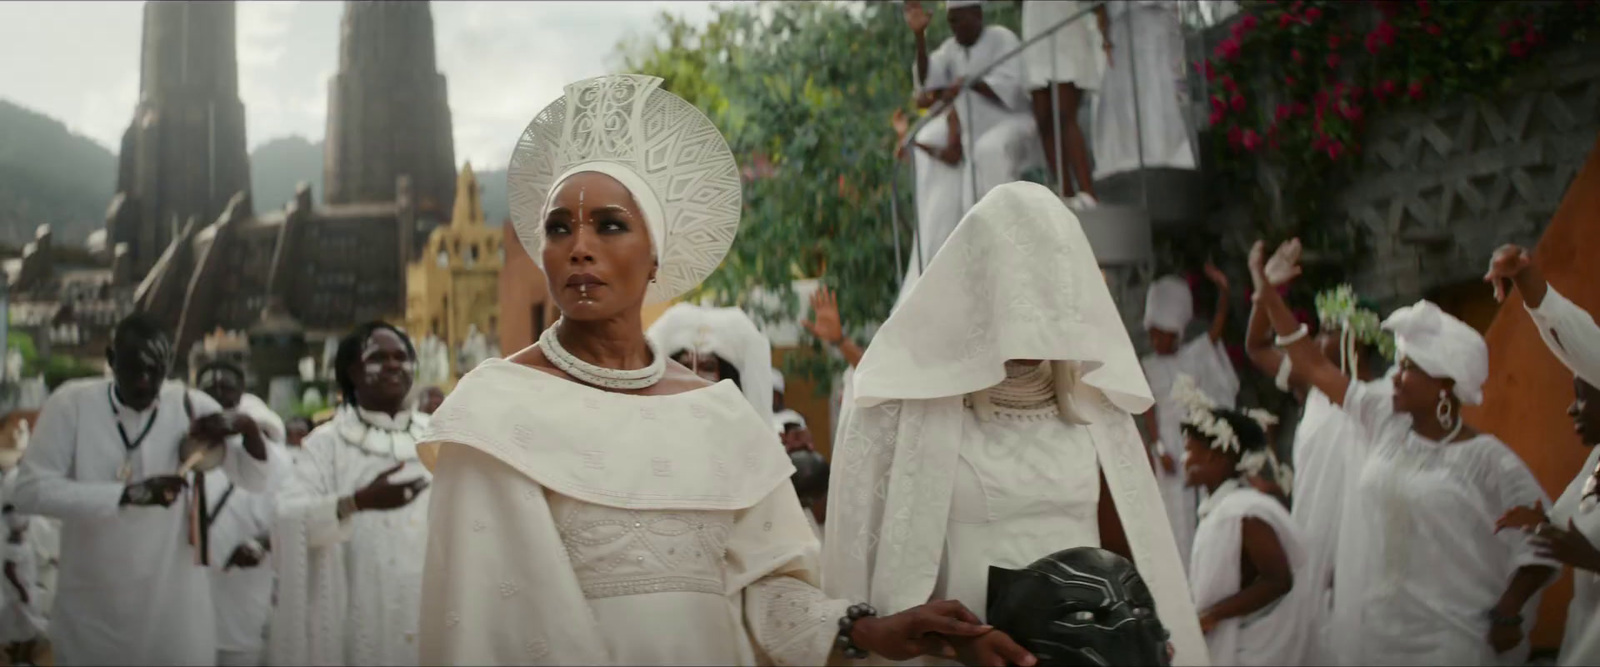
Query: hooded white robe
{"points": [[922, 496], [1281, 633], [578, 526], [119, 563], [348, 591]]}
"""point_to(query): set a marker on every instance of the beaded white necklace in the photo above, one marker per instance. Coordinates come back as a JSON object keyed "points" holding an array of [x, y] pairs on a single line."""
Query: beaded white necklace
{"points": [[609, 378], [1027, 394]]}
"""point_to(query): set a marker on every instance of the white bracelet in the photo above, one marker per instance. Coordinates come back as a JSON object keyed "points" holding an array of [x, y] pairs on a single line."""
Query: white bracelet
{"points": [[1285, 341]]}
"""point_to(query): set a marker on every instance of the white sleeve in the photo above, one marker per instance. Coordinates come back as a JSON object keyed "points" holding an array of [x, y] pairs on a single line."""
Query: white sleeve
{"points": [[1373, 408], [46, 483], [773, 557], [1008, 80], [1570, 333]]}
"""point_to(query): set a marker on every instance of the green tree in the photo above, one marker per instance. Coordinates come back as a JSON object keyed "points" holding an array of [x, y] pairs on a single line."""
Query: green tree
{"points": [[807, 88]]}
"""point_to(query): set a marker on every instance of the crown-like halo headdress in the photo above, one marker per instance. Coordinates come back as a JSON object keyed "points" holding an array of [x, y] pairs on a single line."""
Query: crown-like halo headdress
{"points": [[663, 150]]}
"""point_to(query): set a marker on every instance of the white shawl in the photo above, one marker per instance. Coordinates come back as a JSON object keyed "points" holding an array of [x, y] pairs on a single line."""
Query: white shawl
{"points": [[727, 333], [1016, 280]]}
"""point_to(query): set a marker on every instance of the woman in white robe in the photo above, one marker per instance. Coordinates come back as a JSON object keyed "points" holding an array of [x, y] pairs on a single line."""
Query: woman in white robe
{"points": [[350, 531], [1573, 526], [719, 344], [1257, 597], [960, 450], [1168, 308], [1436, 584], [1147, 54], [594, 502]]}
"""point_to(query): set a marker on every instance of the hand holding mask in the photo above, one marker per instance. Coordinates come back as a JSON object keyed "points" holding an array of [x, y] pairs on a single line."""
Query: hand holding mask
{"points": [[1081, 606]]}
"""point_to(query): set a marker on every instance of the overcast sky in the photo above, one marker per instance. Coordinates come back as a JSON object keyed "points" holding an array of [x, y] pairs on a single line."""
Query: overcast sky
{"points": [[503, 61]]}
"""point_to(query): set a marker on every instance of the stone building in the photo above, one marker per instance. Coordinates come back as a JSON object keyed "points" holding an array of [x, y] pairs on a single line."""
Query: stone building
{"points": [[183, 157], [64, 299], [388, 113], [453, 289], [525, 305]]}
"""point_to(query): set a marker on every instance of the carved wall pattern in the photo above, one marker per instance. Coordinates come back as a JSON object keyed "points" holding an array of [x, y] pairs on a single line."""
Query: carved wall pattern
{"points": [[1438, 190]]}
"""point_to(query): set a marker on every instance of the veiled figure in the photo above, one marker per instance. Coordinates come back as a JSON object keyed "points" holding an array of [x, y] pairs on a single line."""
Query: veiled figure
{"points": [[960, 449], [594, 502]]}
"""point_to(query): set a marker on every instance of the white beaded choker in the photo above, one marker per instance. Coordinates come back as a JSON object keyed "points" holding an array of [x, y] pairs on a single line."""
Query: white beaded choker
{"points": [[609, 378]]}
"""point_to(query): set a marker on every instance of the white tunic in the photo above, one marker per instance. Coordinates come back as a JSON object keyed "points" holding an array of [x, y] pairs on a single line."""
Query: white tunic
{"points": [[577, 526], [939, 199], [242, 596], [1001, 138], [1431, 565], [1074, 55], [1205, 361], [1147, 38], [349, 591], [119, 563], [1570, 333], [1282, 632], [1026, 487]]}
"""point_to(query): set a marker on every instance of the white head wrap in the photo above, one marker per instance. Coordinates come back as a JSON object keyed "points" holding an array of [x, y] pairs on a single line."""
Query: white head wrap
{"points": [[1169, 305], [1016, 280], [664, 151], [727, 333], [782, 420], [1442, 346]]}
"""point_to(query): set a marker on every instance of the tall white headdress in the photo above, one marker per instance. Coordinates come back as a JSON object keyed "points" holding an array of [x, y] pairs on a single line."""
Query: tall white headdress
{"points": [[662, 149]]}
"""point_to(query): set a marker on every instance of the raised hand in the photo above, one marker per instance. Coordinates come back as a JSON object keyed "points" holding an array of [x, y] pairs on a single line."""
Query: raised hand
{"points": [[1508, 261], [917, 17], [162, 490], [1216, 276], [1522, 518], [1284, 264], [824, 322], [386, 494]]}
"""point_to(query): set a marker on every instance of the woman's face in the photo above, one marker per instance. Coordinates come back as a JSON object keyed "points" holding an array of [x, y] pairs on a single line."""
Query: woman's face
{"points": [[1204, 466], [1416, 392], [703, 364], [1585, 412], [597, 252], [1163, 342]]}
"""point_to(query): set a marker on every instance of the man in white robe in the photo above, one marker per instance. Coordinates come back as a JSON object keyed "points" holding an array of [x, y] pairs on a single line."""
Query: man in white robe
{"points": [[352, 519], [996, 115], [1168, 308], [104, 460], [241, 522]]}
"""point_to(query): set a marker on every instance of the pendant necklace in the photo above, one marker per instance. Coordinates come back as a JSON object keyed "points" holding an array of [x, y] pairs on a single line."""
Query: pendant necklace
{"points": [[126, 471]]}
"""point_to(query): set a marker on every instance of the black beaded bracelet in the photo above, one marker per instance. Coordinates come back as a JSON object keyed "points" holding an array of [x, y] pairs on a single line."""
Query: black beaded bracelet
{"points": [[847, 624], [1495, 618]]}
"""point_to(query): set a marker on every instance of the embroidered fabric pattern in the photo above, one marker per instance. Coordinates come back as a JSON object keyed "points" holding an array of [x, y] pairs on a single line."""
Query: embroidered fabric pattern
{"points": [[618, 552], [787, 612]]}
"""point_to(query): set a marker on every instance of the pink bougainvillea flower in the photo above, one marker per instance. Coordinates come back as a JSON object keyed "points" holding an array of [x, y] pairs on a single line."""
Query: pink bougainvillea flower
{"points": [[1333, 61], [1351, 112], [1235, 136], [1251, 141], [1313, 15], [1532, 37], [1237, 102], [1283, 111], [1433, 29], [1415, 90], [1517, 48], [1228, 49], [1333, 41], [1334, 148], [1297, 56], [1229, 84], [1424, 8], [1204, 67], [1285, 20], [1380, 37], [1388, 87], [1218, 106], [1243, 26], [1216, 117]]}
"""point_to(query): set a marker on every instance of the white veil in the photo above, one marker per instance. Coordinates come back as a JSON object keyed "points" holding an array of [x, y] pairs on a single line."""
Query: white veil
{"points": [[728, 333], [1016, 280]]}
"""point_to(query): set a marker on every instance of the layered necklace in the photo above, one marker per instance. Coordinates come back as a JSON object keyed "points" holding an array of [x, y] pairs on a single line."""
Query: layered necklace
{"points": [[599, 376], [1028, 394]]}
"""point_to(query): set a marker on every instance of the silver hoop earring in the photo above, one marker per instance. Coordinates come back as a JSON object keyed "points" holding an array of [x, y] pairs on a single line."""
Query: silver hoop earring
{"points": [[1445, 411]]}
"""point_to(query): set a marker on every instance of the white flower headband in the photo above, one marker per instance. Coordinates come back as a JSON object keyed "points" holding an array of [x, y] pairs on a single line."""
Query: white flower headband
{"points": [[1221, 435]]}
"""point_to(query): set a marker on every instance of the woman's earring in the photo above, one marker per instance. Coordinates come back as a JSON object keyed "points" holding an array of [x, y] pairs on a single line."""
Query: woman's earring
{"points": [[1445, 411]]}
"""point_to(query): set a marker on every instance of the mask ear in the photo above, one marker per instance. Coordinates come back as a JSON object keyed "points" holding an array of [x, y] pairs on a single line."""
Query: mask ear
{"points": [[1002, 580]]}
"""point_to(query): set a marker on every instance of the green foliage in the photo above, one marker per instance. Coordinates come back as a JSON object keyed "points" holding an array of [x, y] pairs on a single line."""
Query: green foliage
{"points": [[48, 175], [804, 92], [23, 344], [59, 368]]}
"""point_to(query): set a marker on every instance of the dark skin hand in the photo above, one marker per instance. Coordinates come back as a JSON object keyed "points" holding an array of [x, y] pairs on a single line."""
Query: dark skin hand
{"points": [[1524, 584], [11, 576], [944, 628], [386, 494], [1568, 546], [164, 490], [1263, 555], [243, 557], [826, 326], [1514, 264]]}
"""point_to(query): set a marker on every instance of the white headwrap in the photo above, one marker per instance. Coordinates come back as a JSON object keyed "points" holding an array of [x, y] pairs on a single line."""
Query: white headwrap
{"points": [[727, 333], [664, 151], [1169, 305], [1016, 280], [782, 420], [1442, 346]]}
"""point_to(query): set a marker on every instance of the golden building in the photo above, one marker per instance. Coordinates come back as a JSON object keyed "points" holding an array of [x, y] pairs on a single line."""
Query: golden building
{"points": [[454, 286]]}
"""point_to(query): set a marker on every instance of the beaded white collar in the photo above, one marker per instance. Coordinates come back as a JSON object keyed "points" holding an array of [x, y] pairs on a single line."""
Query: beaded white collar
{"points": [[385, 435]]}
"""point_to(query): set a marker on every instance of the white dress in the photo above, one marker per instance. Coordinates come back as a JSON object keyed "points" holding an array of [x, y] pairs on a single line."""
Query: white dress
{"points": [[578, 526], [1282, 632], [101, 616], [939, 199], [1147, 38], [1431, 565], [1027, 485], [1205, 361], [1075, 58], [1580, 645], [348, 591]]}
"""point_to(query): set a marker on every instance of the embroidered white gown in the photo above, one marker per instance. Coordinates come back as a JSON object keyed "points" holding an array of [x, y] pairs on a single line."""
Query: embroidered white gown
{"points": [[577, 526], [1431, 565], [1281, 633], [1206, 362], [348, 592]]}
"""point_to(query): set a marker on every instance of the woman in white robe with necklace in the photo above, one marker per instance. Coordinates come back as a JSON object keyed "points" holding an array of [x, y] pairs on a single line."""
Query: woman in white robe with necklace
{"points": [[1436, 583], [350, 532], [594, 502], [960, 449], [1572, 529]]}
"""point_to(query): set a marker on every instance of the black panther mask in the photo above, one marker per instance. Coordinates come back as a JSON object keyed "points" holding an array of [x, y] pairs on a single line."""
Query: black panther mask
{"points": [[1082, 606]]}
